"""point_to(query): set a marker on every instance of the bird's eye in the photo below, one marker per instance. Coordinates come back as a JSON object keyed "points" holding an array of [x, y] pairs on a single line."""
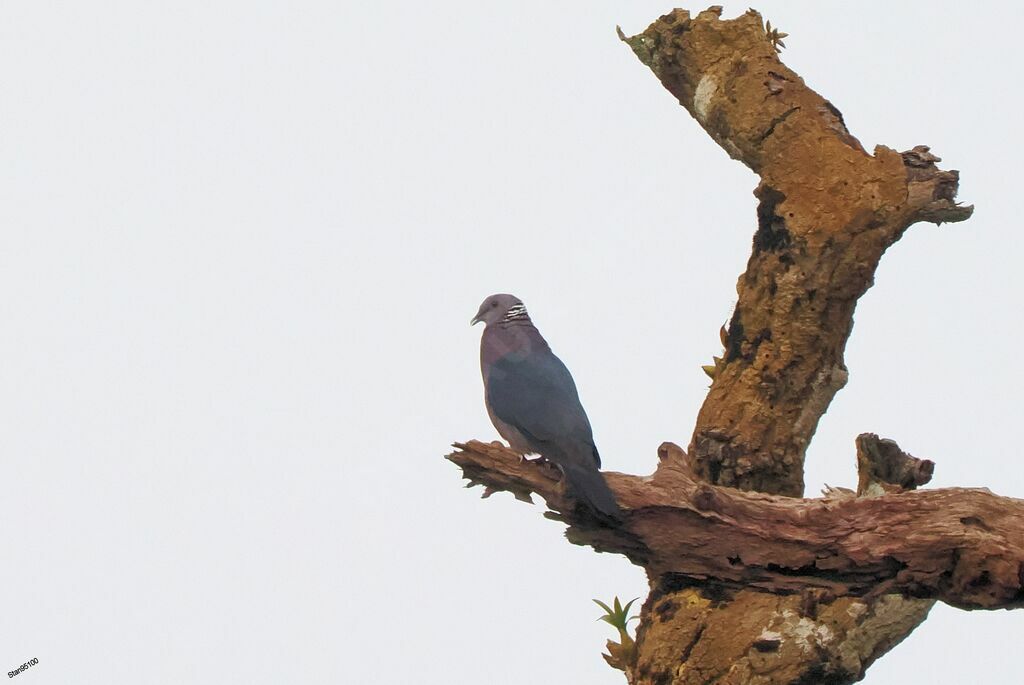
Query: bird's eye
{"points": [[494, 304]]}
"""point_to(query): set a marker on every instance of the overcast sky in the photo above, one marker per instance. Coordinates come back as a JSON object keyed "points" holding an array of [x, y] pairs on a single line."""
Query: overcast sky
{"points": [[240, 247]]}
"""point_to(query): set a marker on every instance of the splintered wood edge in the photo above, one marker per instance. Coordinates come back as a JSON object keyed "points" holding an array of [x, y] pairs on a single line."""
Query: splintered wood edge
{"points": [[962, 546]]}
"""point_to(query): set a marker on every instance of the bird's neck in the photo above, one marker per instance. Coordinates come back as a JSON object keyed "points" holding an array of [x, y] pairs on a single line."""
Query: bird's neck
{"points": [[515, 314], [517, 337]]}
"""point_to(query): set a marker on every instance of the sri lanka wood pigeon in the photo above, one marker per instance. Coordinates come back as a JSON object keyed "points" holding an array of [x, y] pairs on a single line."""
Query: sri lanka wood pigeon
{"points": [[532, 401]]}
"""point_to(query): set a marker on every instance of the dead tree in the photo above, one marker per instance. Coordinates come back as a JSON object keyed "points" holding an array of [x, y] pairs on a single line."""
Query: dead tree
{"points": [[750, 583]]}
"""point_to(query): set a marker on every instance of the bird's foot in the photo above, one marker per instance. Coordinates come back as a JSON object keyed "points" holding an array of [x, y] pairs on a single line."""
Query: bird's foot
{"points": [[539, 459]]}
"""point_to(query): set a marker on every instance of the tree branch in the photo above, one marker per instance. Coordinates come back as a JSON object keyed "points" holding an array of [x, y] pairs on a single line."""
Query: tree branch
{"points": [[961, 546], [767, 588], [828, 210]]}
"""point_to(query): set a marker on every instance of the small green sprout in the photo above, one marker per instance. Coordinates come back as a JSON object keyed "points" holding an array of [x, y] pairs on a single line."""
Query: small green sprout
{"points": [[622, 654], [712, 369], [775, 37]]}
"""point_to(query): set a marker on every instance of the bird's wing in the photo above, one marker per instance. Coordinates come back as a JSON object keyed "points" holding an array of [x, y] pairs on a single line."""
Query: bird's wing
{"points": [[536, 394]]}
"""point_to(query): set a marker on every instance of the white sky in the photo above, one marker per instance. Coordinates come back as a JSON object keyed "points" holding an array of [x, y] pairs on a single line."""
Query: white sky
{"points": [[241, 244]]}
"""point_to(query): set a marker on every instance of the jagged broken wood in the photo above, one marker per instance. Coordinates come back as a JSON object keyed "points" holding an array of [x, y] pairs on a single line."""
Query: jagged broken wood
{"points": [[883, 467], [962, 546]]}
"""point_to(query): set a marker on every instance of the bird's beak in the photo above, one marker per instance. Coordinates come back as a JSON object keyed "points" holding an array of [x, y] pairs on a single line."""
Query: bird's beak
{"points": [[475, 320]]}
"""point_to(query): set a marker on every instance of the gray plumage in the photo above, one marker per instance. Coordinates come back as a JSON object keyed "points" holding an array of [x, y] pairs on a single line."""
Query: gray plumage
{"points": [[532, 400]]}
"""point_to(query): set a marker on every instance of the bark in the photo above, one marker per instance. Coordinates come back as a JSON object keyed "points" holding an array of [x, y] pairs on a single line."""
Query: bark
{"points": [[749, 582], [827, 212], [962, 546]]}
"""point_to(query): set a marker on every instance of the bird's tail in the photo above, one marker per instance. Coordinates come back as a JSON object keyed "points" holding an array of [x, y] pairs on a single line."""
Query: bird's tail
{"points": [[589, 486]]}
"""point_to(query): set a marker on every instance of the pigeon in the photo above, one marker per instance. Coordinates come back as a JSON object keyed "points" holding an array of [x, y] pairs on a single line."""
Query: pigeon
{"points": [[532, 401]]}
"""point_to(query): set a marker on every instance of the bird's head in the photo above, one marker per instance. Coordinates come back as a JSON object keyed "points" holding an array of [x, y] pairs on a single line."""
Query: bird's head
{"points": [[499, 308]]}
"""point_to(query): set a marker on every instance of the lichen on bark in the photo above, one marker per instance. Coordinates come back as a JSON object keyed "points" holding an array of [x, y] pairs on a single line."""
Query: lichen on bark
{"points": [[827, 212]]}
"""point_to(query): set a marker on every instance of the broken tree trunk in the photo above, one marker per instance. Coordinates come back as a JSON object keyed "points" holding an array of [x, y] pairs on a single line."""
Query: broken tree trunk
{"points": [[750, 584]]}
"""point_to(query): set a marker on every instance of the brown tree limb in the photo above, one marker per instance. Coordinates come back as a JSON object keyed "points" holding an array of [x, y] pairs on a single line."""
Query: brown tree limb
{"points": [[832, 639], [828, 210], [694, 635], [961, 546], [756, 638]]}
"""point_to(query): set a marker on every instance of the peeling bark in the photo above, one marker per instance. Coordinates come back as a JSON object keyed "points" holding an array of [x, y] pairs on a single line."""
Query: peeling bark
{"points": [[780, 620], [962, 546]]}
